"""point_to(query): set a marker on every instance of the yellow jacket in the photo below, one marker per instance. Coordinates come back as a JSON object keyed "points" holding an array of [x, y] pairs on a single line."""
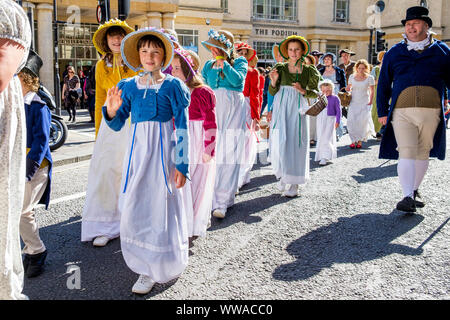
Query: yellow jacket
{"points": [[105, 79]]}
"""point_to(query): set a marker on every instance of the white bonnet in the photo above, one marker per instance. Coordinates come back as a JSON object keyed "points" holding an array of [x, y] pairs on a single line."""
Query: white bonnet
{"points": [[14, 25]]}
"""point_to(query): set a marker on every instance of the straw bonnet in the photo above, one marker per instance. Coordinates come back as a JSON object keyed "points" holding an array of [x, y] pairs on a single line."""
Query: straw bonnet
{"points": [[252, 63], [130, 53], [251, 53], [326, 82], [186, 56], [380, 55], [284, 45], [100, 34], [276, 52], [195, 60], [221, 39]]}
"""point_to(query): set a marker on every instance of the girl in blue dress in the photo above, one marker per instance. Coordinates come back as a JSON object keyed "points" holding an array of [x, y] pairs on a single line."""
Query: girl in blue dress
{"points": [[153, 228]]}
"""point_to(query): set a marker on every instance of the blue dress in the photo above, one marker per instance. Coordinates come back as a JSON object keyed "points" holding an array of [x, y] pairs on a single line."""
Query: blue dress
{"points": [[153, 226]]}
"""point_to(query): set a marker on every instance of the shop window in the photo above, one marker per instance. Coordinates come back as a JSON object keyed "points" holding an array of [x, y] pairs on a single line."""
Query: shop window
{"points": [[264, 51]]}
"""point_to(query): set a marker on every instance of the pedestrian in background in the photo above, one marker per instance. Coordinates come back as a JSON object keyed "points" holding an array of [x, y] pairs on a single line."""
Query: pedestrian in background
{"points": [[82, 78], [70, 92], [359, 119], [39, 166], [225, 74], [15, 41], [376, 74], [410, 94], [90, 93], [153, 228], [291, 83], [101, 217], [202, 134]]}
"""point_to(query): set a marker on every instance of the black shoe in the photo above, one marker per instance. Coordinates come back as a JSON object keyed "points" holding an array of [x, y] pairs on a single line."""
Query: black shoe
{"points": [[26, 262], [70, 119], [35, 264], [419, 204], [407, 205]]}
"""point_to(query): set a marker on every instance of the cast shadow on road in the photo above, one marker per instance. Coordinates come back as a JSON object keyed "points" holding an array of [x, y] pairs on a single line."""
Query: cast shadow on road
{"points": [[377, 173], [360, 238], [102, 272]]}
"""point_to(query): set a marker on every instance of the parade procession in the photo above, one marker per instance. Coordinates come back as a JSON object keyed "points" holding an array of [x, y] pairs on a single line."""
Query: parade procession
{"points": [[229, 150]]}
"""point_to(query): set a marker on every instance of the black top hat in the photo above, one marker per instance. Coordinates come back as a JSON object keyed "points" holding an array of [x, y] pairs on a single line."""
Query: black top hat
{"points": [[418, 12], [34, 63]]}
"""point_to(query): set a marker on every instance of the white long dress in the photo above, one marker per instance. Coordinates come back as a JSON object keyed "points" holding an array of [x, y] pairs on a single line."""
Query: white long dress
{"points": [[14, 25], [153, 225], [250, 147], [202, 181], [359, 118], [230, 116], [326, 137], [101, 216], [290, 137]]}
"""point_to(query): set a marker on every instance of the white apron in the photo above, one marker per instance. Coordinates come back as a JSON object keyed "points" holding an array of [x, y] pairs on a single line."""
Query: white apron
{"points": [[12, 185], [230, 118], [153, 225], [326, 137], [101, 215], [250, 147], [290, 137], [202, 181]]}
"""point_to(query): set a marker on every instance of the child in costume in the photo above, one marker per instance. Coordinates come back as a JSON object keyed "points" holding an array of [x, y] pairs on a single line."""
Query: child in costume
{"points": [[202, 133], [153, 226], [15, 41], [39, 166], [252, 108], [291, 83], [226, 76], [327, 122], [101, 218]]}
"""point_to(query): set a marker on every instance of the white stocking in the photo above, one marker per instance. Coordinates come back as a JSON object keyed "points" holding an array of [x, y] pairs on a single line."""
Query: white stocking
{"points": [[421, 169], [406, 170]]}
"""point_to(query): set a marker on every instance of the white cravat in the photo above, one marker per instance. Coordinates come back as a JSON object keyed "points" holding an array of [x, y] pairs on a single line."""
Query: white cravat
{"points": [[420, 45]]}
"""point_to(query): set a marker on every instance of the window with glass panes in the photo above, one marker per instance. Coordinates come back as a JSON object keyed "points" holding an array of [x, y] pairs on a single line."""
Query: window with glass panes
{"points": [[333, 48], [75, 46], [275, 9], [188, 39], [341, 10], [224, 5], [264, 50]]}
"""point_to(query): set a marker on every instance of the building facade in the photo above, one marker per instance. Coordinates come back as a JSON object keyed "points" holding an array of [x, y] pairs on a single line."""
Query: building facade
{"points": [[329, 25]]}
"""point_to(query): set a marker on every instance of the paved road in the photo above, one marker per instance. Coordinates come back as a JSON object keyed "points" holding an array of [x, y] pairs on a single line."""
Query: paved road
{"points": [[340, 239]]}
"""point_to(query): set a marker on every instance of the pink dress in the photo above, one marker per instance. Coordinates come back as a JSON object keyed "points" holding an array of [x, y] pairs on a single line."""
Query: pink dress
{"points": [[202, 133]]}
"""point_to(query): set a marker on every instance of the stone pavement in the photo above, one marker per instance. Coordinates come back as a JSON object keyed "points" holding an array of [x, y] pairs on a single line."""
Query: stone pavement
{"points": [[80, 140]]}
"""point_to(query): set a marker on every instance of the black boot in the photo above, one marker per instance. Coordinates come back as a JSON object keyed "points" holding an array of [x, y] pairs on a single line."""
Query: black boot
{"points": [[35, 264], [407, 205], [419, 204]]}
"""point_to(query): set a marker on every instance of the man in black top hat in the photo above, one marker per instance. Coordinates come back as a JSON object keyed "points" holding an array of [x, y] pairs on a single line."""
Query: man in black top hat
{"points": [[410, 92]]}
